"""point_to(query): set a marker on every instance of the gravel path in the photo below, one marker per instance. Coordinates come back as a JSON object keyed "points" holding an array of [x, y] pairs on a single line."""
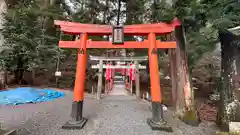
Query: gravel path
{"points": [[114, 115]]}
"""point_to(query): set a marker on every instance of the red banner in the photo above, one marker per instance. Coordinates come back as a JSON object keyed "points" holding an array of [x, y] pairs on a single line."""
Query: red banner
{"points": [[128, 71], [108, 72], [133, 76], [132, 72]]}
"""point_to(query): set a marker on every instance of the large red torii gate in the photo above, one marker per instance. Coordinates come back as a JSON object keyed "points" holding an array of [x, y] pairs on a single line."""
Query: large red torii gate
{"points": [[150, 30]]}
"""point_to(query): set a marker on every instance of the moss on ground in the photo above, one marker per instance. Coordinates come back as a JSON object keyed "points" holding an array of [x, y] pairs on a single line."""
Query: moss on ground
{"points": [[191, 118]]}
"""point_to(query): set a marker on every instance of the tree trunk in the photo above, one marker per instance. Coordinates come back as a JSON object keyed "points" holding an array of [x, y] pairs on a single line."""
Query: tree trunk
{"points": [[230, 73], [33, 76], [118, 12], [3, 80], [173, 68], [19, 72], [185, 107]]}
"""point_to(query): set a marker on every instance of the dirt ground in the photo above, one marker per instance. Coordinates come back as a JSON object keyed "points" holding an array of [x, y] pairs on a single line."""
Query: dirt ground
{"points": [[113, 115]]}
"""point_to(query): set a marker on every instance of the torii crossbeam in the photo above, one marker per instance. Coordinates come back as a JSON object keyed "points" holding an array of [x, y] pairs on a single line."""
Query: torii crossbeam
{"points": [[139, 58], [150, 30]]}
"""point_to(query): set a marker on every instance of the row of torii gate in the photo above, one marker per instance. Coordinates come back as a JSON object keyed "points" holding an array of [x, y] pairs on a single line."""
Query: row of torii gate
{"points": [[156, 122], [130, 70]]}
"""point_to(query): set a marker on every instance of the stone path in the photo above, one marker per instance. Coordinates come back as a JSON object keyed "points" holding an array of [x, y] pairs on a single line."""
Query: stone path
{"points": [[113, 115], [118, 89]]}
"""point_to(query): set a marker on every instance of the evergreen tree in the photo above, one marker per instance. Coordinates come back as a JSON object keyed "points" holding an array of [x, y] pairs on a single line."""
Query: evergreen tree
{"points": [[27, 44]]}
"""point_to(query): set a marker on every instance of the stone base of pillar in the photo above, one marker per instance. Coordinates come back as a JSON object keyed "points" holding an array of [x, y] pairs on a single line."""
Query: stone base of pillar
{"points": [[77, 121], [75, 124], [161, 125], [157, 122]]}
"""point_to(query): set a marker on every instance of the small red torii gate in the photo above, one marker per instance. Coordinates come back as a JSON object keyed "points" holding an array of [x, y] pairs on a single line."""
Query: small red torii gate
{"points": [[150, 30]]}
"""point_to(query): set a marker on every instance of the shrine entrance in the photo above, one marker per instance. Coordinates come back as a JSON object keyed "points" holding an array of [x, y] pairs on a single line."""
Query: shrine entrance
{"points": [[128, 67], [156, 122]]}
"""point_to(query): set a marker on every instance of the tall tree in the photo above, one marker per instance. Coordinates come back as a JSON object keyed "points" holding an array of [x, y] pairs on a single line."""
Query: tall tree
{"points": [[201, 21], [26, 44], [224, 15]]}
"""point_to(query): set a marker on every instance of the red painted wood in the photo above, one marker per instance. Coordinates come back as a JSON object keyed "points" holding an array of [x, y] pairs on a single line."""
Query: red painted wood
{"points": [[127, 31], [107, 44], [175, 22], [76, 24], [95, 29]]}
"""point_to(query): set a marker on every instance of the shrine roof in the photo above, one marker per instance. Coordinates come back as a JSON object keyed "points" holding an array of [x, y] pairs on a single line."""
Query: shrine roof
{"points": [[235, 30]]}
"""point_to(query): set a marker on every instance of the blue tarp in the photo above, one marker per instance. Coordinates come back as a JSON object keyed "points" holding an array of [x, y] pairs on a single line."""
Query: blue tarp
{"points": [[25, 95]]}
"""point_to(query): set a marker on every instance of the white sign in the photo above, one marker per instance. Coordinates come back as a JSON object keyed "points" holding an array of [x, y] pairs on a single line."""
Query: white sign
{"points": [[121, 62], [58, 73]]}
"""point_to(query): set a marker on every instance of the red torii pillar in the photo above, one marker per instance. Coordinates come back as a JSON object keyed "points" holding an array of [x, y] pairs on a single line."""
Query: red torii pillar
{"points": [[157, 121]]}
